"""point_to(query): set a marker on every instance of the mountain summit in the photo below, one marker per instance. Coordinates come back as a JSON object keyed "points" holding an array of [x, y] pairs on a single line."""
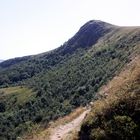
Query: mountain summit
{"points": [[88, 35], [96, 24]]}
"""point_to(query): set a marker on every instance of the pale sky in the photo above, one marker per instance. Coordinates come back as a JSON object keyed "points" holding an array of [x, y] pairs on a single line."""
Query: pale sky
{"points": [[35, 26]]}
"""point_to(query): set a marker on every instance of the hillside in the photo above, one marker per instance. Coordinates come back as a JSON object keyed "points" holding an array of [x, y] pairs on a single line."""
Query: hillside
{"points": [[116, 114], [1, 60], [63, 79], [28, 66]]}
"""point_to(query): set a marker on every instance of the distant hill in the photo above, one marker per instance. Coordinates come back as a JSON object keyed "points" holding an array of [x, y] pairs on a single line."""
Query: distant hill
{"points": [[1, 60], [39, 88]]}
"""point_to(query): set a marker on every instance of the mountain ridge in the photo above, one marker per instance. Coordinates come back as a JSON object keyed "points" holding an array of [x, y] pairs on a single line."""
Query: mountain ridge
{"points": [[87, 26], [88, 34]]}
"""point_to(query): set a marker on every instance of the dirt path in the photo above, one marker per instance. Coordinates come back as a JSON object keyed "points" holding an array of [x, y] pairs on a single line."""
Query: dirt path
{"points": [[59, 132]]}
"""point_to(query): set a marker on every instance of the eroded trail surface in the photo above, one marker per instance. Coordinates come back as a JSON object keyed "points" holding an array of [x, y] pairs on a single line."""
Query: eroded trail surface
{"points": [[59, 132]]}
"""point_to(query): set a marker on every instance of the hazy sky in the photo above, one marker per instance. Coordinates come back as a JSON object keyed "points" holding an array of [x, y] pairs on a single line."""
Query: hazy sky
{"points": [[35, 26]]}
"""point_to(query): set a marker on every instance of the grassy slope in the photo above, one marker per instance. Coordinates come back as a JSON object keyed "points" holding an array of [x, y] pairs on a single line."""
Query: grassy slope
{"points": [[14, 97], [117, 115], [66, 80], [21, 93]]}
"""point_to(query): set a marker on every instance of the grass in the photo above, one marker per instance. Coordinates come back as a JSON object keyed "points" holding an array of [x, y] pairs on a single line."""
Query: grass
{"points": [[119, 87], [117, 106], [15, 95], [16, 90], [124, 81]]}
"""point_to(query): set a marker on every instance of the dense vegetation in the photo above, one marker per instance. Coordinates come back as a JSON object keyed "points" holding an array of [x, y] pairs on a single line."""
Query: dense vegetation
{"points": [[60, 80], [19, 69], [117, 116]]}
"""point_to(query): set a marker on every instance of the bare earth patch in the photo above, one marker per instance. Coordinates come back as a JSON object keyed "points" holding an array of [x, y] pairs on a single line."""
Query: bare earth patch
{"points": [[61, 129], [59, 132]]}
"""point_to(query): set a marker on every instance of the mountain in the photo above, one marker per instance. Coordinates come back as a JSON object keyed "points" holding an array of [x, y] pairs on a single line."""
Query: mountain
{"points": [[40, 88], [1, 60], [87, 36]]}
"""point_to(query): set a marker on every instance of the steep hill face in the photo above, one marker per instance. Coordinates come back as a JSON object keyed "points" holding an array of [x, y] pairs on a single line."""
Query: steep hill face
{"points": [[65, 78], [87, 36], [117, 115]]}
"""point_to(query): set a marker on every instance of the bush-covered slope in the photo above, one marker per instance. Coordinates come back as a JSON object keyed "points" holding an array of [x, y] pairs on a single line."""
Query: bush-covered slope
{"points": [[64, 78], [18, 69], [116, 116]]}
